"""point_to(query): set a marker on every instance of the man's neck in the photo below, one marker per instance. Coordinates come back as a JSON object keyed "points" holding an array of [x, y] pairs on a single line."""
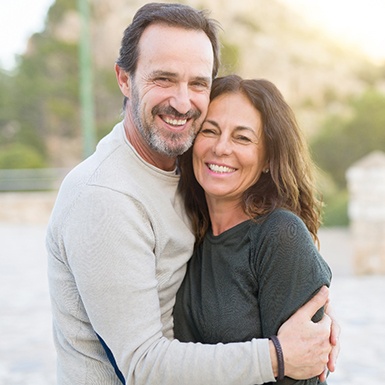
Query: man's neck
{"points": [[145, 152]]}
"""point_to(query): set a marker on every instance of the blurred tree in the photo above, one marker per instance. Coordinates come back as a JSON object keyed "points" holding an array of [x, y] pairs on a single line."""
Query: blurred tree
{"points": [[7, 107], [60, 8], [335, 211], [229, 58], [344, 140], [18, 155], [42, 93], [39, 102]]}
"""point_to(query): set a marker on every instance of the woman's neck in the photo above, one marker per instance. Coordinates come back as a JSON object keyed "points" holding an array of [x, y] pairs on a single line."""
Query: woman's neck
{"points": [[225, 215]]}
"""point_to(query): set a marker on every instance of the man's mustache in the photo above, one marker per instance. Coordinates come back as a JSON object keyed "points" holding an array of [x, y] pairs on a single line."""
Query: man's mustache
{"points": [[169, 110]]}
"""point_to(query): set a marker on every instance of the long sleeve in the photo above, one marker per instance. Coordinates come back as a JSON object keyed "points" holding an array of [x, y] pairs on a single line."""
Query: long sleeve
{"points": [[290, 271], [117, 255]]}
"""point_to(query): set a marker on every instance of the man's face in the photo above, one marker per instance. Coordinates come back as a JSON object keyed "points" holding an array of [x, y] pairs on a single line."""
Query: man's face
{"points": [[169, 93]]}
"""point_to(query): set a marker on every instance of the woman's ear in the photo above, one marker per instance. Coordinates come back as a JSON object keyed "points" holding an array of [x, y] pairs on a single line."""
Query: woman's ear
{"points": [[266, 169], [124, 80]]}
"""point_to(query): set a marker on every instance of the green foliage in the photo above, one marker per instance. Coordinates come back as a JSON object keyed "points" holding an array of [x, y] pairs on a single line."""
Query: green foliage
{"points": [[50, 80], [335, 201], [336, 209], [342, 141], [59, 9], [41, 96], [6, 98], [229, 58], [108, 102], [39, 102], [20, 156], [370, 74], [248, 21]]}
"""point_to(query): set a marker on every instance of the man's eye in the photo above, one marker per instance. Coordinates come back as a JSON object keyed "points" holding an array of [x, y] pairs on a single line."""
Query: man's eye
{"points": [[200, 85], [163, 82]]}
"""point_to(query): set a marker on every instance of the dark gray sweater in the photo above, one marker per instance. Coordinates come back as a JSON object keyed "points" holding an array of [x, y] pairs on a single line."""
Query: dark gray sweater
{"points": [[247, 281]]}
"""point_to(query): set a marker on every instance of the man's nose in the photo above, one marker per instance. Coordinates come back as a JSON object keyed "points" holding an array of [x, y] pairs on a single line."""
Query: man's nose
{"points": [[181, 99]]}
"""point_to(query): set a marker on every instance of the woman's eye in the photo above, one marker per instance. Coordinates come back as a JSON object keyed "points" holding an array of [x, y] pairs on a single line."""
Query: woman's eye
{"points": [[208, 132], [242, 139]]}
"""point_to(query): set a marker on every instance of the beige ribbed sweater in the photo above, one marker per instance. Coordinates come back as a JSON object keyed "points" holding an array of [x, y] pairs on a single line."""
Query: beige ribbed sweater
{"points": [[117, 246]]}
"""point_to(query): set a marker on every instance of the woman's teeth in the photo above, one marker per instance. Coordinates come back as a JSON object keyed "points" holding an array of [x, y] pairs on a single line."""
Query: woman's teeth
{"points": [[220, 169]]}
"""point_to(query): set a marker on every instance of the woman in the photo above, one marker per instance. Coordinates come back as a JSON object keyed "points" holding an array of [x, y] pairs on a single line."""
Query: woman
{"points": [[249, 191]]}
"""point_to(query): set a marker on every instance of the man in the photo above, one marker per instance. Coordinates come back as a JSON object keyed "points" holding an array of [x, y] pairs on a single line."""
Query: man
{"points": [[118, 239]]}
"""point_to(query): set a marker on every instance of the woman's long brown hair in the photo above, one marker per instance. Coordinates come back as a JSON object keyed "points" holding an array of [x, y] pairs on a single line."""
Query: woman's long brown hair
{"points": [[290, 182]]}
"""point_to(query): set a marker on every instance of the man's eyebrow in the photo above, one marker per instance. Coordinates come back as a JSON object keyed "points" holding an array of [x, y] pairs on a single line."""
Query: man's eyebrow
{"points": [[163, 73], [156, 73], [205, 79]]}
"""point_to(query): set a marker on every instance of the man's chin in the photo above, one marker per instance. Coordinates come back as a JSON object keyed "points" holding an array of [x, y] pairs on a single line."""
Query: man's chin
{"points": [[173, 149], [174, 152]]}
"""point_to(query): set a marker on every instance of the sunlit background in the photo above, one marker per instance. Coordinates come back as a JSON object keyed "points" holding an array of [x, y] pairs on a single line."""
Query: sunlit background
{"points": [[326, 56], [358, 23]]}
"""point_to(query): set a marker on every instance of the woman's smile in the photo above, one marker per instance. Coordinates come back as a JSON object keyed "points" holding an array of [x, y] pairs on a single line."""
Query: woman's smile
{"points": [[229, 153]]}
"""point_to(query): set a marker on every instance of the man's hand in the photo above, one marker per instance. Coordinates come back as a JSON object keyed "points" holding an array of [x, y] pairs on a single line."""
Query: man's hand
{"points": [[334, 340], [308, 346]]}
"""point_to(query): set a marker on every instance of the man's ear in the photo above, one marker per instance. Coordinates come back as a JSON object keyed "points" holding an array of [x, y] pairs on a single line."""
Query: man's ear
{"points": [[124, 80]]}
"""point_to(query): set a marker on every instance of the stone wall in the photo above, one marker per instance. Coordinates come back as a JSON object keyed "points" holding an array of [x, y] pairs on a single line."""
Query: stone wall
{"points": [[366, 184]]}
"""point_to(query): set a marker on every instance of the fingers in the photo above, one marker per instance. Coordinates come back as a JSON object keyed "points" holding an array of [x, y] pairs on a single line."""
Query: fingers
{"points": [[326, 325], [335, 329], [333, 357], [326, 353], [318, 301], [306, 346], [335, 332], [323, 375]]}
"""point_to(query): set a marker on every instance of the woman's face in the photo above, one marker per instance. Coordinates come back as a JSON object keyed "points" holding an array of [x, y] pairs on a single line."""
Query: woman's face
{"points": [[229, 152]]}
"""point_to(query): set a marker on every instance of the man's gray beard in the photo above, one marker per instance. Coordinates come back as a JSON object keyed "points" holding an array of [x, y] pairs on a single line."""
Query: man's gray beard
{"points": [[150, 133], [156, 143]]}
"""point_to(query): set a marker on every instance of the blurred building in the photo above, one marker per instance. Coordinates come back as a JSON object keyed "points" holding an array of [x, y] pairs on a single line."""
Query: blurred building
{"points": [[366, 185]]}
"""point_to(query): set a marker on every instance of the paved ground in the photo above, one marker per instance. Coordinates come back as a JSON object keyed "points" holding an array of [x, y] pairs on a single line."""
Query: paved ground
{"points": [[27, 355]]}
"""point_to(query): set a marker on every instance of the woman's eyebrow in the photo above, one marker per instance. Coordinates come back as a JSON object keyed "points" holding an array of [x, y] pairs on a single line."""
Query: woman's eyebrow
{"points": [[245, 128], [212, 122]]}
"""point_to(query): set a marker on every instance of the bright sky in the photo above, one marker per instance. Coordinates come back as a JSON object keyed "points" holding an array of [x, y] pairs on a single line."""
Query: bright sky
{"points": [[19, 19], [359, 22]]}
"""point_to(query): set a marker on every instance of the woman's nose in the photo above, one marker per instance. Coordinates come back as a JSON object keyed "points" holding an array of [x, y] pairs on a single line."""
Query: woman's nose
{"points": [[222, 146]]}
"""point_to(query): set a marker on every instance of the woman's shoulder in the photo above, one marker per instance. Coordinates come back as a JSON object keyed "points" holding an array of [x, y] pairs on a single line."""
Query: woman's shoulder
{"points": [[279, 216], [277, 224]]}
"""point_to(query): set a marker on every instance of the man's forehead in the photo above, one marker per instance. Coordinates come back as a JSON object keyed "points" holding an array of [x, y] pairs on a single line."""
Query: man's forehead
{"points": [[174, 49]]}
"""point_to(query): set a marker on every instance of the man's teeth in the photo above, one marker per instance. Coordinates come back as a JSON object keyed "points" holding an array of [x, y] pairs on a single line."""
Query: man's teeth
{"points": [[220, 169], [175, 122]]}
